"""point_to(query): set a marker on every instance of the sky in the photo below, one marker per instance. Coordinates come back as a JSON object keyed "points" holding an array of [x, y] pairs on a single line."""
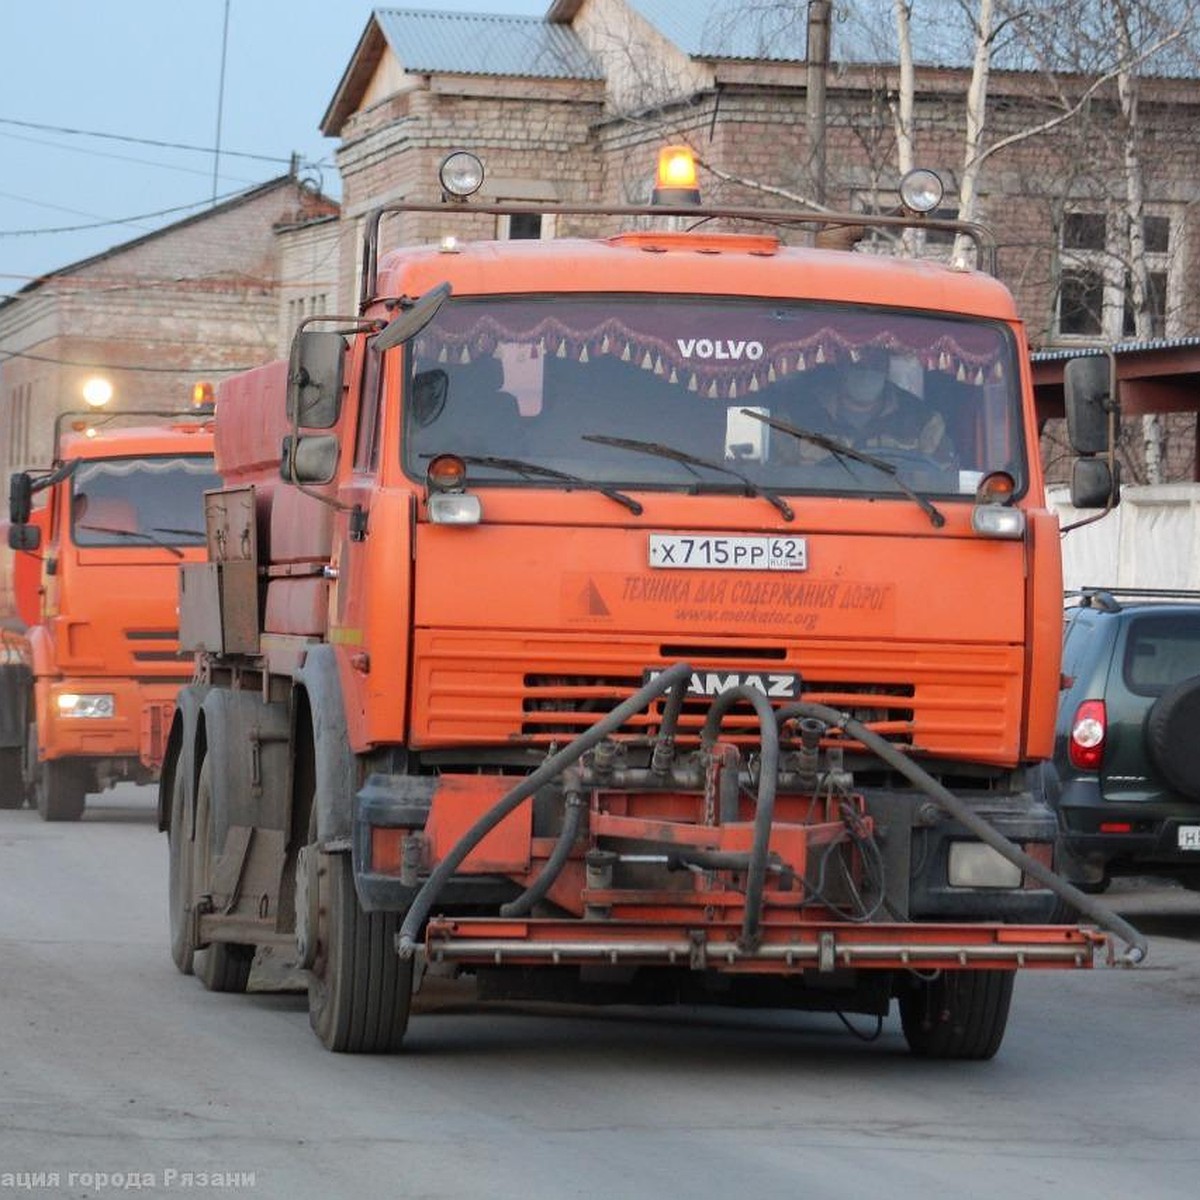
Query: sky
{"points": [[147, 73]]}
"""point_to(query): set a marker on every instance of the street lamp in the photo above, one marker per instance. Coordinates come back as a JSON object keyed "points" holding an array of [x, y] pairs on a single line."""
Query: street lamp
{"points": [[97, 392]]}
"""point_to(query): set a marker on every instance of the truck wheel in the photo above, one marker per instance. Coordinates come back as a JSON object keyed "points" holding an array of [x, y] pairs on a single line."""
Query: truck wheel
{"points": [[12, 786], [60, 789], [359, 989], [223, 966], [959, 1014], [180, 892]]}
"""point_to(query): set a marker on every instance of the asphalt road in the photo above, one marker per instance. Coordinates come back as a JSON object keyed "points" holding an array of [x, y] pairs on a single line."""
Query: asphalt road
{"points": [[114, 1068]]}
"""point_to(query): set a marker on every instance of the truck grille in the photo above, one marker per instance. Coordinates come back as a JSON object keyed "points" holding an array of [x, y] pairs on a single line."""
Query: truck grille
{"points": [[472, 688], [558, 704]]}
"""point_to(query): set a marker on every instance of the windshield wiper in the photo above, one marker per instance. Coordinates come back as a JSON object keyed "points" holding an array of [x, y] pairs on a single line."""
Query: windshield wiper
{"points": [[841, 452], [520, 467], [132, 533], [691, 460]]}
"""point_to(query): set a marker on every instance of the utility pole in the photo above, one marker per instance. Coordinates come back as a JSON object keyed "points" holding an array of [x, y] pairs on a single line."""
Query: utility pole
{"points": [[818, 65], [220, 101]]}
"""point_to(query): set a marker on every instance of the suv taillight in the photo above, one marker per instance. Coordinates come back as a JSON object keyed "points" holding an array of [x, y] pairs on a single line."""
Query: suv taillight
{"points": [[1088, 731]]}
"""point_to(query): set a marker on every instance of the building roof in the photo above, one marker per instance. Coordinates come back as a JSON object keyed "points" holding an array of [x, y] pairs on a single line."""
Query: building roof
{"points": [[459, 43], [770, 31], [729, 29], [485, 44], [322, 205]]}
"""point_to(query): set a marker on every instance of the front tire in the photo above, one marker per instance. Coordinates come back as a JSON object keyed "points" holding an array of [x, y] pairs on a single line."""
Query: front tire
{"points": [[223, 966], [958, 1014], [359, 990], [60, 789]]}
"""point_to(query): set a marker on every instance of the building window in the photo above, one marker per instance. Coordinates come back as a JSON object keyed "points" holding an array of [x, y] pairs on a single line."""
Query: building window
{"points": [[1081, 302], [1095, 283], [525, 227]]}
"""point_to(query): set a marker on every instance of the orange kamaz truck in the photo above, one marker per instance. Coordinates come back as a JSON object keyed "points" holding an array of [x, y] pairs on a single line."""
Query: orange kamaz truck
{"points": [[560, 630], [97, 540]]}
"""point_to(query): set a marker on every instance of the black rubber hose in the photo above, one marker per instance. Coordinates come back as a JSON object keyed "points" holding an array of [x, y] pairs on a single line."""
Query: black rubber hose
{"points": [[572, 823], [676, 676], [945, 799], [764, 816]]}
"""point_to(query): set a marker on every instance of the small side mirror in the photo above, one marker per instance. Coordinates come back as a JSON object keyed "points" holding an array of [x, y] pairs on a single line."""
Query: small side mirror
{"points": [[24, 537], [311, 459], [1094, 484], [314, 397], [20, 498], [413, 319], [1089, 401]]}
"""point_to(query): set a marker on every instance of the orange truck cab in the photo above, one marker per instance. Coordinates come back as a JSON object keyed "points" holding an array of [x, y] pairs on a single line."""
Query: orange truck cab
{"points": [[575, 643], [95, 576]]}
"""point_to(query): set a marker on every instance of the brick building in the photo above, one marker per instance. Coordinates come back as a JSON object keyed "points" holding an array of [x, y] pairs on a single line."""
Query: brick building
{"points": [[154, 315]]}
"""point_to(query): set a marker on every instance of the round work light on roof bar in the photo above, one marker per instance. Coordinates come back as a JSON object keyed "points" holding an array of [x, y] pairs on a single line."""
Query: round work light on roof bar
{"points": [[461, 174], [921, 190]]}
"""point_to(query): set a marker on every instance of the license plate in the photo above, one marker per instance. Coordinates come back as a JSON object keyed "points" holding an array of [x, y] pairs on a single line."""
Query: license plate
{"points": [[1189, 837], [701, 552]]}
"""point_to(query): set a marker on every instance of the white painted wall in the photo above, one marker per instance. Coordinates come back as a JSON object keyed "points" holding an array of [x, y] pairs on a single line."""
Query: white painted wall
{"points": [[1150, 540]]}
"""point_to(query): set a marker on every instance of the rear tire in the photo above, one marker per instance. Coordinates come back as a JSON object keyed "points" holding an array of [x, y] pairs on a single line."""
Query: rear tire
{"points": [[223, 966], [60, 789], [12, 785], [959, 1014], [180, 878], [359, 989]]}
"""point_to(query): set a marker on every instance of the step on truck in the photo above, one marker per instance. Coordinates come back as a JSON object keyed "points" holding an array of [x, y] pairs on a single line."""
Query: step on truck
{"points": [[559, 631], [96, 540]]}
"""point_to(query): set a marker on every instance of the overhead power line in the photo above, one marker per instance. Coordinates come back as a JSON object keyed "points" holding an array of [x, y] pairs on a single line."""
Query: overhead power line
{"points": [[140, 141], [162, 212], [108, 366]]}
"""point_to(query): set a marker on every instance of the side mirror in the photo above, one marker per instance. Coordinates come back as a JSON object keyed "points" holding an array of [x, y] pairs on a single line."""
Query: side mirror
{"points": [[24, 537], [413, 319], [314, 397], [1090, 402], [1094, 484], [20, 498], [309, 459]]}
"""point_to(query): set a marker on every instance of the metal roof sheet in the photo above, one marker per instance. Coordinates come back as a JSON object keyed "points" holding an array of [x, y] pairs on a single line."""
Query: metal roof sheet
{"points": [[731, 29], [485, 44], [1058, 353], [864, 32]]}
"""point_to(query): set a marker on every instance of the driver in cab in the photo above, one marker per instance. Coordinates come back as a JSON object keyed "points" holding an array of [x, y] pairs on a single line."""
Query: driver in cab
{"points": [[863, 408]]}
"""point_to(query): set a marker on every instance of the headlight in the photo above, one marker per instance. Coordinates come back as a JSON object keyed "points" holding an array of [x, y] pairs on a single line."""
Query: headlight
{"points": [[998, 521], [77, 704], [975, 865], [454, 508]]}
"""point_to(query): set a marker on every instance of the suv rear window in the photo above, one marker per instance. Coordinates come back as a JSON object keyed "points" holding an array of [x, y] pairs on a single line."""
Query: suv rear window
{"points": [[1162, 648]]}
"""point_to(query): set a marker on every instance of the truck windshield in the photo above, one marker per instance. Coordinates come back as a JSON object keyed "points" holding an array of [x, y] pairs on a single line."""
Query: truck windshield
{"points": [[134, 501], [563, 381]]}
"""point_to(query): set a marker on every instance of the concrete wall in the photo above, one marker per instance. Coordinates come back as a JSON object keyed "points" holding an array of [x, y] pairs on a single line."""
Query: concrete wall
{"points": [[1150, 540]]}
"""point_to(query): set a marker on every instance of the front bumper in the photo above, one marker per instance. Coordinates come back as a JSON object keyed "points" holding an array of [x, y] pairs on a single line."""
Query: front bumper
{"points": [[136, 732]]}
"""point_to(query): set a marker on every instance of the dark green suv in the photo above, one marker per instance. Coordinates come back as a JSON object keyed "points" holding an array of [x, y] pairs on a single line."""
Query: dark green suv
{"points": [[1126, 773]]}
